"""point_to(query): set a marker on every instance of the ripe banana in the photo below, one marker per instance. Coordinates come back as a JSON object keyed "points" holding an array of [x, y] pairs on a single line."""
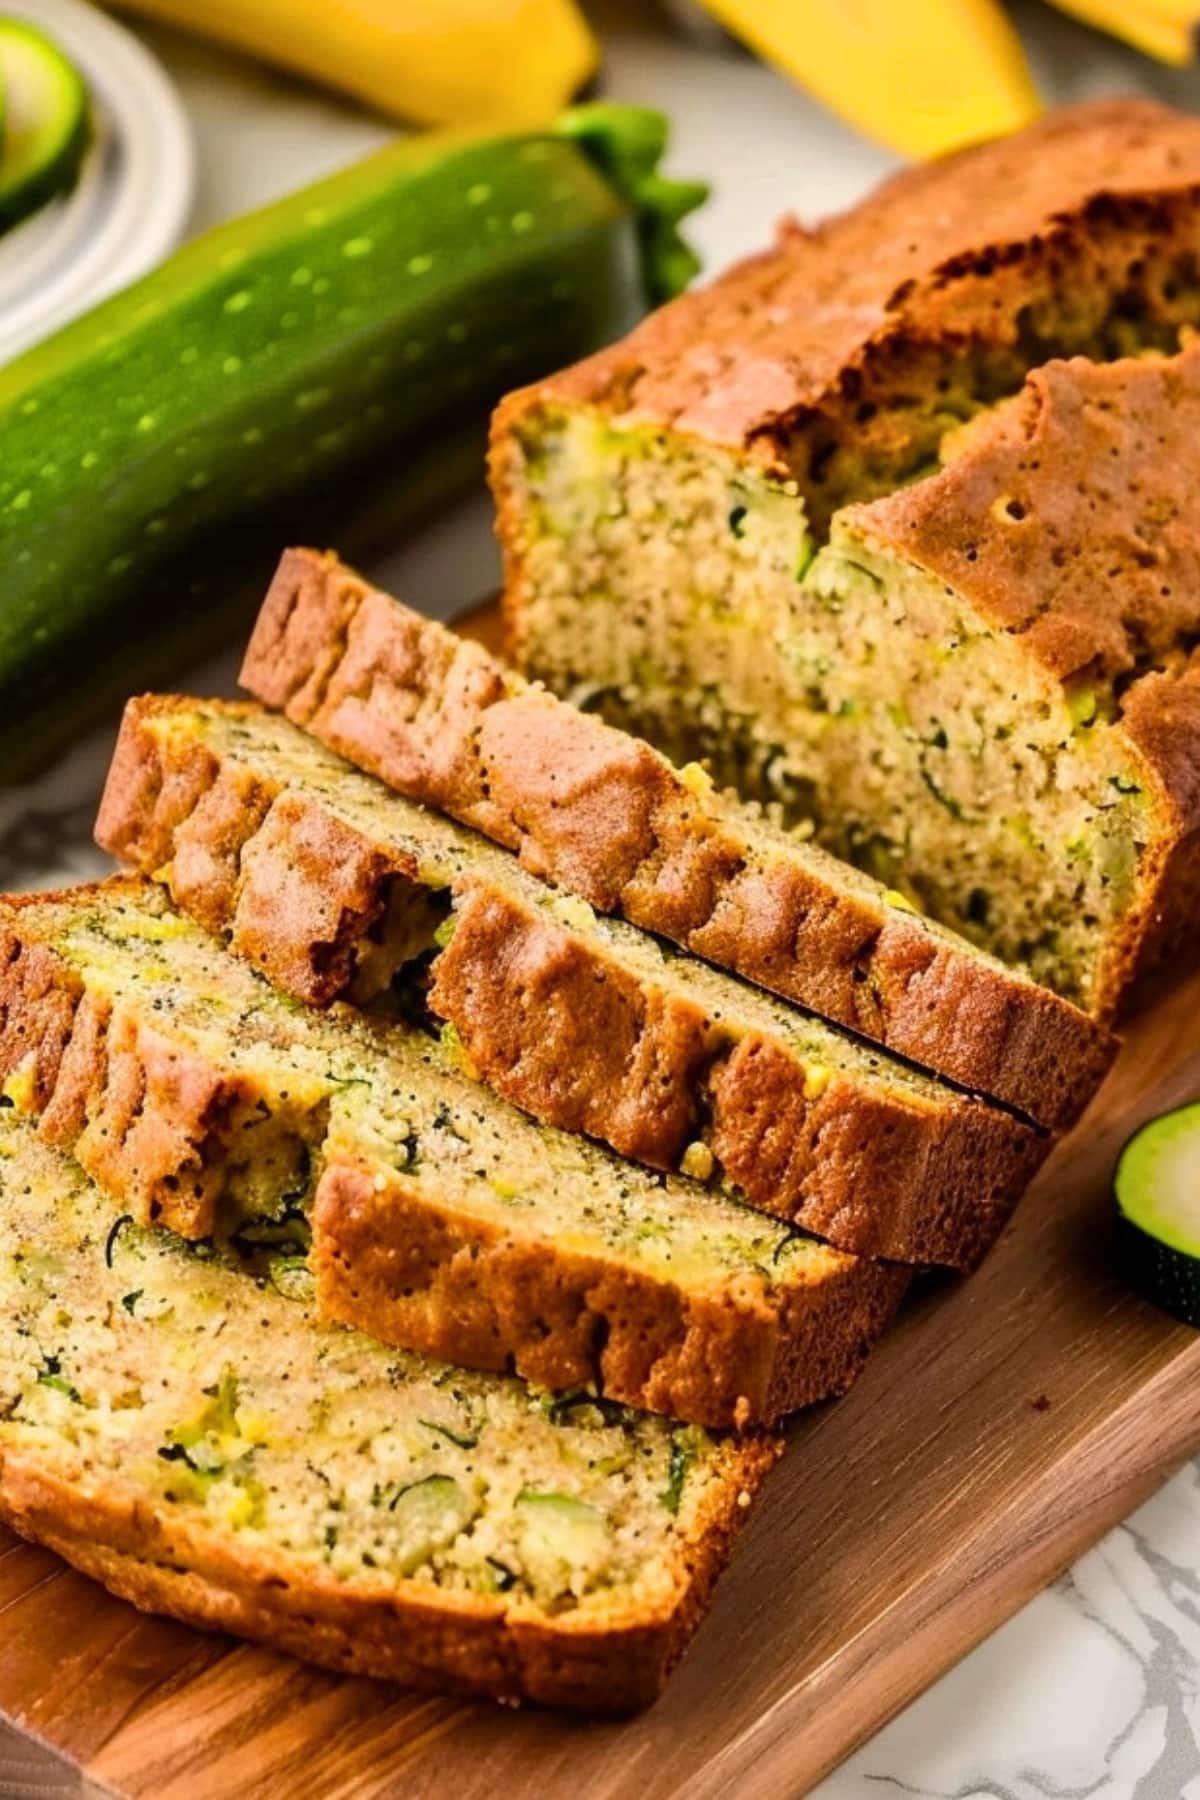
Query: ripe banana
{"points": [[435, 62], [1162, 28], [921, 78]]}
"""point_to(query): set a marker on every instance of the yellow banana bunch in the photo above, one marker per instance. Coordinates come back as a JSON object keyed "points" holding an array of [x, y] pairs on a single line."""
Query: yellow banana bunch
{"points": [[435, 62], [925, 76]]}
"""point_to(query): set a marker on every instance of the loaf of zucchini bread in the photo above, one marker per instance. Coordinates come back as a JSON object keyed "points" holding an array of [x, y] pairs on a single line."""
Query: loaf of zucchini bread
{"points": [[418, 1206], [314, 869], [606, 816], [203, 1445], [929, 681]]}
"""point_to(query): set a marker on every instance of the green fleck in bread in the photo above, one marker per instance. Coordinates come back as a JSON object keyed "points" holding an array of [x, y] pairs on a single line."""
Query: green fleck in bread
{"points": [[439, 1217], [606, 816], [1044, 786], [206, 1448], [584, 1021], [679, 555]]}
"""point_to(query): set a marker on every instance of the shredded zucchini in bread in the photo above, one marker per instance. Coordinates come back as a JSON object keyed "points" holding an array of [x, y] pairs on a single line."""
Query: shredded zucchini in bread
{"points": [[583, 1020], [427, 1211], [605, 816], [174, 1425], [886, 527]]}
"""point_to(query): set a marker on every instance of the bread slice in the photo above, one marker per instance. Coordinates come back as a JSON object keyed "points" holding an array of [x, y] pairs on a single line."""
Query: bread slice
{"points": [[676, 555], [600, 812], [584, 1021], [439, 1217], [206, 1448]]}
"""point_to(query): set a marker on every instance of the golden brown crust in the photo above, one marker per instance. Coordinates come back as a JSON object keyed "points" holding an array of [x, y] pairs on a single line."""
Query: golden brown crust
{"points": [[224, 844], [151, 1121], [826, 352], [812, 354], [644, 1068], [407, 1270], [598, 811], [570, 1034], [188, 811], [327, 647], [1071, 522], [967, 248], [1160, 715], [146, 1553], [575, 1038]]}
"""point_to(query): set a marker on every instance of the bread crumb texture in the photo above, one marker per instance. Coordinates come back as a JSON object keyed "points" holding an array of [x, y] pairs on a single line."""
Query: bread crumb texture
{"points": [[325, 1475], [600, 813], [430, 1211], [583, 1020], [890, 528]]}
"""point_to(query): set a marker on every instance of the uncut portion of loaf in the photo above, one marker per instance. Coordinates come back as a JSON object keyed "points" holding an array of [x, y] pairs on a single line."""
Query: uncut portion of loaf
{"points": [[604, 815], [679, 557], [1047, 780], [584, 1021], [439, 1217], [840, 356], [206, 1448]]}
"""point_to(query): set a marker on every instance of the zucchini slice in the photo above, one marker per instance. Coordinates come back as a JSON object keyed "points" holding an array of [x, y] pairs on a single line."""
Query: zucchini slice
{"points": [[1157, 1186], [45, 121]]}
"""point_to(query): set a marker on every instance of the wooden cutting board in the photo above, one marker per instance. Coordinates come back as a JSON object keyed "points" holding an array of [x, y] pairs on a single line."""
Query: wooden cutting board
{"points": [[1004, 1424]]}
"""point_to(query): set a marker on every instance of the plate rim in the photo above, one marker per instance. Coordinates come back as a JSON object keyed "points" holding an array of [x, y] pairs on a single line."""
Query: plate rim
{"points": [[151, 192]]}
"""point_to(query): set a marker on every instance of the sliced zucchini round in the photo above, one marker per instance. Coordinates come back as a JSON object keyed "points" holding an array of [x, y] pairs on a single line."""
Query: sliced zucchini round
{"points": [[45, 121], [1157, 1186]]}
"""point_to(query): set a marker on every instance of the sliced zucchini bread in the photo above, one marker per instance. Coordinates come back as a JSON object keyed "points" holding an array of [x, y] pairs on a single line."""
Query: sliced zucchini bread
{"points": [[427, 1211], [205, 1447], [601, 813], [929, 680], [328, 881]]}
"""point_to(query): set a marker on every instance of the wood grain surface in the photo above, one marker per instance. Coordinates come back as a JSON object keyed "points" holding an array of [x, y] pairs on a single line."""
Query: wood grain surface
{"points": [[1003, 1425]]}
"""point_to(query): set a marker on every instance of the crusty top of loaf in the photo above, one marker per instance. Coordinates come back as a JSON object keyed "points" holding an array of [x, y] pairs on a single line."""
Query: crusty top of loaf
{"points": [[1071, 518], [929, 253]]}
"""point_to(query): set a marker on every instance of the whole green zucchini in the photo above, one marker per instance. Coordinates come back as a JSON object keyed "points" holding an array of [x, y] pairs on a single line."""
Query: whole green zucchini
{"points": [[338, 350]]}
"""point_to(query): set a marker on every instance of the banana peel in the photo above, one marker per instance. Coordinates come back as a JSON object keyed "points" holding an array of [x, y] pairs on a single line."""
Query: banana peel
{"points": [[921, 78], [432, 62], [1164, 29]]}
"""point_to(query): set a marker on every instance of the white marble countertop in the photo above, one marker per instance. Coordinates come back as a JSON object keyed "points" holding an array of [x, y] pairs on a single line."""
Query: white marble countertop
{"points": [[1093, 1690]]}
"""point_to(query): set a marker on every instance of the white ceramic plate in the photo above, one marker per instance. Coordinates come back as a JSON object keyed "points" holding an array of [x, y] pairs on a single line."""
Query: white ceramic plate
{"points": [[131, 202]]}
